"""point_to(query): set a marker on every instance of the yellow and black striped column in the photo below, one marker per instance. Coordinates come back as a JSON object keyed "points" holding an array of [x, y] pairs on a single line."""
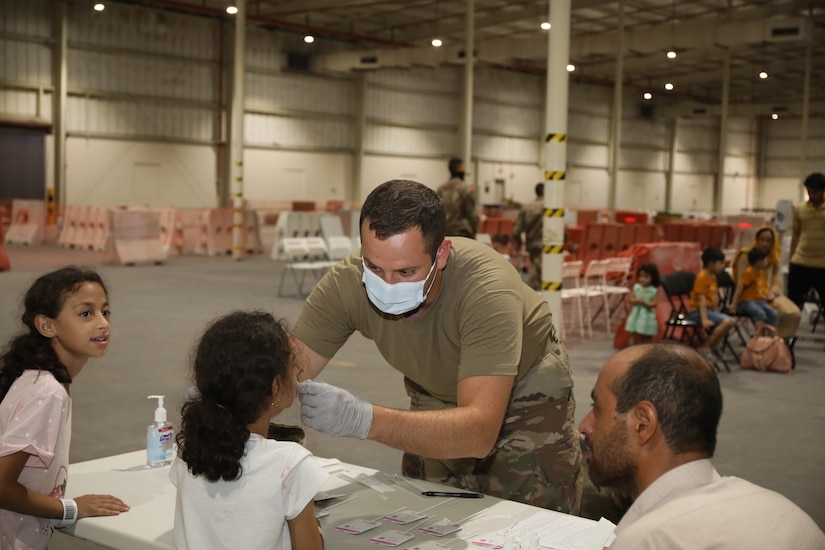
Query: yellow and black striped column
{"points": [[236, 133], [555, 155]]}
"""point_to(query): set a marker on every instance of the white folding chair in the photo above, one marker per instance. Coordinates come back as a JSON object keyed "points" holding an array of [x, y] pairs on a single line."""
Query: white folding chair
{"points": [[595, 286], [298, 254], [339, 246], [571, 292], [618, 280]]}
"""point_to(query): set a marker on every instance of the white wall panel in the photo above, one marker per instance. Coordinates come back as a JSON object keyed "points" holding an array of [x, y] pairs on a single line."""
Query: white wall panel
{"points": [[25, 62], [263, 48], [104, 172], [508, 86], [292, 175], [31, 18], [142, 75], [292, 92], [738, 192], [587, 155], [504, 149], [786, 167], [508, 119], [378, 169], [518, 180], [651, 133], [597, 100], [18, 102], [640, 191], [591, 128], [739, 166], [138, 28], [586, 188], [135, 119], [694, 162], [631, 158], [287, 132], [697, 136], [692, 193], [784, 128], [776, 189], [740, 143], [408, 141], [411, 107], [443, 79]]}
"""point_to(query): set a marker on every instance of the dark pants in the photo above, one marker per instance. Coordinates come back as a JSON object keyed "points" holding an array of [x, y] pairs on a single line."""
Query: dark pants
{"points": [[802, 278]]}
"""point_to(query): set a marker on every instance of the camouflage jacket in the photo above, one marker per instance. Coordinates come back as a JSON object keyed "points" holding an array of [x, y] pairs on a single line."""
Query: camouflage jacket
{"points": [[460, 204], [530, 222]]}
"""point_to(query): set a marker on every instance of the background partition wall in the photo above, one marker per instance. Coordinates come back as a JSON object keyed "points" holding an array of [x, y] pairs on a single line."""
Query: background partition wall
{"points": [[146, 103]]}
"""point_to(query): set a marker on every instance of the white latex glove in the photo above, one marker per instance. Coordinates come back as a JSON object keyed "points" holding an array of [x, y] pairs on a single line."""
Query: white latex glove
{"points": [[334, 411]]}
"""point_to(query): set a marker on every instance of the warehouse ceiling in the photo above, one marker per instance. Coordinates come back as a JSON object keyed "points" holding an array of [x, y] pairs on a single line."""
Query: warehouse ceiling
{"points": [[774, 36]]}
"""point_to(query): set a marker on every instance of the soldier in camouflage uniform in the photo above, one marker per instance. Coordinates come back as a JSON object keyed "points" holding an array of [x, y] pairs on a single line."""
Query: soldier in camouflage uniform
{"points": [[490, 385], [530, 222], [459, 202]]}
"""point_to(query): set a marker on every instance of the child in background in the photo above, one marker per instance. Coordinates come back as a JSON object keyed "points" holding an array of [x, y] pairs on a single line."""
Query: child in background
{"points": [[752, 293], [703, 299], [641, 323], [235, 487], [66, 315]]}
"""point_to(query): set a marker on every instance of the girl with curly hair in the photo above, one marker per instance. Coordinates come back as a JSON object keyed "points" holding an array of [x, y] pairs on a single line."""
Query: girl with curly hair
{"points": [[235, 487]]}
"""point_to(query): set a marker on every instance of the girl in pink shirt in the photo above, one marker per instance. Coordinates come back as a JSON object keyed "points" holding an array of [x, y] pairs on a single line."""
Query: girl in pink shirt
{"points": [[66, 319]]}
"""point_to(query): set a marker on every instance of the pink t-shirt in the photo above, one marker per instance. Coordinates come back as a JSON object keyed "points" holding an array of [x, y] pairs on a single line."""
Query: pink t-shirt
{"points": [[36, 418]]}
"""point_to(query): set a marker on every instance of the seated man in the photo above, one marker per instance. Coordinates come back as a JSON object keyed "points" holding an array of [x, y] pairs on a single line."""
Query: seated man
{"points": [[652, 432]]}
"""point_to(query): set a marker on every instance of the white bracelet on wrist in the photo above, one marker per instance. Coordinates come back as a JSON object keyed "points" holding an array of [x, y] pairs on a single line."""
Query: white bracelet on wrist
{"points": [[69, 513]]}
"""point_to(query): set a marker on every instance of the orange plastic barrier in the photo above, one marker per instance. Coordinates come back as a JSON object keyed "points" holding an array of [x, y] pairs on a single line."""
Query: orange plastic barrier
{"points": [[134, 237], [668, 257], [28, 219]]}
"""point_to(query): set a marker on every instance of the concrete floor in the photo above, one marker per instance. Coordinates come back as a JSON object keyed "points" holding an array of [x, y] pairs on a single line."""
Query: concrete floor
{"points": [[771, 431]]}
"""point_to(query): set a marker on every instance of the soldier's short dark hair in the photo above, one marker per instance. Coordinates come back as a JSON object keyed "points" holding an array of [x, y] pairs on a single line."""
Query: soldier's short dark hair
{"points": [[540, 189], [454, 164], [397, 206], [683, 388]]}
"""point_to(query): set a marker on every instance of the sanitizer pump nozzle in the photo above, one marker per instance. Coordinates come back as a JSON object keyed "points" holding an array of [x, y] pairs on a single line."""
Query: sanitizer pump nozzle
{"points": [[159, 437]]}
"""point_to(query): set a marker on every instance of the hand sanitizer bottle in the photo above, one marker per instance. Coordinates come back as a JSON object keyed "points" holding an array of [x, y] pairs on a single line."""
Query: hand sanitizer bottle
{"points": [[159, 438]]}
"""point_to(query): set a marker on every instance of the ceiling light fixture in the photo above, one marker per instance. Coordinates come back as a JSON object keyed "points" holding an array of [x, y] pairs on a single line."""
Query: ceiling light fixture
{"points": [[763, 75], [570, 67], [231, 9], [309, 39], [774, 116], [436, 42], [99, 6], [545, 26], [647, 95], [668, 86], [671, 54]]}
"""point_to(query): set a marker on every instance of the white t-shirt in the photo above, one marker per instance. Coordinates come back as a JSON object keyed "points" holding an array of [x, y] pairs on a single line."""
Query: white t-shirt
{"points": [[36, 418], [279, 479]]}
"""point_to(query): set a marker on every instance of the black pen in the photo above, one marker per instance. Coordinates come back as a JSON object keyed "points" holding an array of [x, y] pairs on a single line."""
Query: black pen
{"points": [[458, 495]]}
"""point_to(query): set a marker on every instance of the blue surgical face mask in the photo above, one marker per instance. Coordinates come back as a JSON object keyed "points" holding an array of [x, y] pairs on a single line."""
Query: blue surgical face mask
{"points": [[398, 298]]}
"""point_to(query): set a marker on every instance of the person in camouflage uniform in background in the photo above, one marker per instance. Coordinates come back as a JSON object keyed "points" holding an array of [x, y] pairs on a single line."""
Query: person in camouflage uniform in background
{"points": [[459, 202], [530, 222]]}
